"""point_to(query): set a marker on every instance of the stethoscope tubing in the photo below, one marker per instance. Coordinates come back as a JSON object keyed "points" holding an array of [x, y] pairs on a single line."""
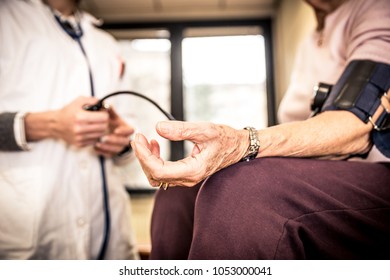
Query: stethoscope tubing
{"points": [[76, 35]]}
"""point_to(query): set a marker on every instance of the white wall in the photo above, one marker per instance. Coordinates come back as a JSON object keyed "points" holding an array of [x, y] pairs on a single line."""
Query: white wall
{"points": [[293, 21]]}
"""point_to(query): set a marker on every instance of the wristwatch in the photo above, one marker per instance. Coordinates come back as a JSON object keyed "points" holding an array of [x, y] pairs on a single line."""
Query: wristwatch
{"points": [[254, 144]]}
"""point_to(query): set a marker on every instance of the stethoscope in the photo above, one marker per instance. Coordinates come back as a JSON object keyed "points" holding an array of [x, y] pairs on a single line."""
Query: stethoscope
{"points": [[76, 33]]}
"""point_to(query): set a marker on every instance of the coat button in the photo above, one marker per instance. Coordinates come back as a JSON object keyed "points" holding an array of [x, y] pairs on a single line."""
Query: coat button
{"points": [[81, 222]]}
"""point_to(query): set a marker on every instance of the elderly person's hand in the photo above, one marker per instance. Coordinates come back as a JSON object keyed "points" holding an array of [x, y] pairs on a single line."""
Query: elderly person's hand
{"points": [[215, 147]]}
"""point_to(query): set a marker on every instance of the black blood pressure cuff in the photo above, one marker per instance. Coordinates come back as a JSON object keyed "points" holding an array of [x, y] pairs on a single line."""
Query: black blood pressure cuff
{"points": [[361, 89]]}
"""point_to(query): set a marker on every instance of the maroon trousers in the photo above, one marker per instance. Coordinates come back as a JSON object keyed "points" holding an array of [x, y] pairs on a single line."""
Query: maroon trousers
{"points": [[278, 208]]}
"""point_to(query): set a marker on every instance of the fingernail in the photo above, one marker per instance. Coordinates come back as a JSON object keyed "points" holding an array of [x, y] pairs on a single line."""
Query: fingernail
{"points": [[103, 139]]}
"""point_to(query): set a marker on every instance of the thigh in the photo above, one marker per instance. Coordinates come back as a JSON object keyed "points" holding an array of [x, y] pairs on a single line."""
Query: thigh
{"points": [[172, 222], [289, 208]]}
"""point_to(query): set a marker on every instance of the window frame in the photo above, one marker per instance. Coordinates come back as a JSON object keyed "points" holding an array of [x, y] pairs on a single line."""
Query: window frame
{"points": [[176, 30]]}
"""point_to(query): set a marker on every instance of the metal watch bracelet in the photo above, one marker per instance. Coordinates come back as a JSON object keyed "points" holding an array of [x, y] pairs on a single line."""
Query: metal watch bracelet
{"points": [[254, 144]]}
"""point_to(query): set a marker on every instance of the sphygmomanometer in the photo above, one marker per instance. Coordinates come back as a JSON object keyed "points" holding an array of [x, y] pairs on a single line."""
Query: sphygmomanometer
{"points": [[362, 89]]}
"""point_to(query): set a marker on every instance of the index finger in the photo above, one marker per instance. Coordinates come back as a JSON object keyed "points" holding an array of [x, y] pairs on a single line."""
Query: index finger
{"points": [[178, 130], [92, 117]]}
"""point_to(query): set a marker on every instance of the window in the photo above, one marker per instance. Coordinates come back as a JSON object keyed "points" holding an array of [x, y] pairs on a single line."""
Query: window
{"points": [[224, 80], [218, 71], [147, 62]]}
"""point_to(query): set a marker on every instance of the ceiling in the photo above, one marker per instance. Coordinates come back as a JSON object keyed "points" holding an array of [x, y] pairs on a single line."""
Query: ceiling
{"points": [[173, 10]]}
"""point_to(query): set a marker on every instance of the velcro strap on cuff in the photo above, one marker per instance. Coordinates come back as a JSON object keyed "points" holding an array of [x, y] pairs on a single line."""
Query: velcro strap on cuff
{"points": [[361, 89]]}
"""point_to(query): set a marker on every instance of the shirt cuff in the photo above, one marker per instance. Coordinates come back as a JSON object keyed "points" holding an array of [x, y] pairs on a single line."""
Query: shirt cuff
{"points": [[19, 131]]}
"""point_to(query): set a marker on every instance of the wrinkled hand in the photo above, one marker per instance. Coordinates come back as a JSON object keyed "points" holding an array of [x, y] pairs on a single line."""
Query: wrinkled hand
{"points": [[79, 127], [118, 137], [215, 147]]}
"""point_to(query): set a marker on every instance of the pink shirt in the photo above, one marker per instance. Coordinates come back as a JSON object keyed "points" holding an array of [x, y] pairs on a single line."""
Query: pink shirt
{"points": [[358, 29]]}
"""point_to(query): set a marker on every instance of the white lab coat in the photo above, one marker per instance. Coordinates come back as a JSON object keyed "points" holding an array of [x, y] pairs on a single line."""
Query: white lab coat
{"points": [[51, 204]]}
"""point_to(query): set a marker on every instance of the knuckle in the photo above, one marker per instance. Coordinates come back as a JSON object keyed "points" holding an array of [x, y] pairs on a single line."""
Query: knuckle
{"points": [[79, 117], [186, 133], [76, 129]]}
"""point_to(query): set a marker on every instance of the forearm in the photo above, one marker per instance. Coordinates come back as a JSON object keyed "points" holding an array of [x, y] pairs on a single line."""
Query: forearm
{"points": [[330, 134], [39, 126]]}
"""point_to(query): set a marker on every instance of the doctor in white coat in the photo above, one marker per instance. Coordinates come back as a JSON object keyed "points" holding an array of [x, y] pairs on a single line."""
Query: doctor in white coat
{"points": [[61, 194]]}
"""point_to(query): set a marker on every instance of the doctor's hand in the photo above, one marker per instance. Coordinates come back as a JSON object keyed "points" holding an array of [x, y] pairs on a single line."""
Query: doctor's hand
{"points": [[215, 147], [117, 138], [79, 127]]}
